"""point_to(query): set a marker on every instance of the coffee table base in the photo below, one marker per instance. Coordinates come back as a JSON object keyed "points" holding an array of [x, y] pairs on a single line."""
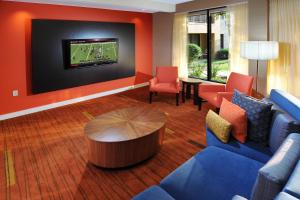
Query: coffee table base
{"points": [[125, 153]]}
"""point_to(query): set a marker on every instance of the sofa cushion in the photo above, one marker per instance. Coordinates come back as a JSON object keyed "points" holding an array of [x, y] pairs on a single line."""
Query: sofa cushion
{"points": [[285, 196], [250, 149], [275, 173], [287, 102], [237, 117], [259, 116], [293, 185], [154, 192], [282, 125], [215, 173], [219, 126]]}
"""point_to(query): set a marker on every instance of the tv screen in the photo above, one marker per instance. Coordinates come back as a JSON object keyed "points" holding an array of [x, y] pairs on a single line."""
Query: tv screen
{"points": [[91, 52]]}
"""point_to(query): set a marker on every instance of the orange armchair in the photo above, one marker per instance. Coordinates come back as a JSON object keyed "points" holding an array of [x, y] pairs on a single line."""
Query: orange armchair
{"points": [[166, 80], [214, 94]]}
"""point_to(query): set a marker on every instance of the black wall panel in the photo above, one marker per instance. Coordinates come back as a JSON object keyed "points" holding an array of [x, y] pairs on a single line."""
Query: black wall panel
{"points": [[48, 67]]}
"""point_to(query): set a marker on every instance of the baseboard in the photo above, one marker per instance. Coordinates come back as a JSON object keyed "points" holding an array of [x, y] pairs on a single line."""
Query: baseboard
{"points": [[70, 101]]}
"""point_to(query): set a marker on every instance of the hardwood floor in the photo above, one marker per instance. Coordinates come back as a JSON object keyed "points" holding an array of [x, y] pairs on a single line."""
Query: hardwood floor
{"points": [[44, 155]]}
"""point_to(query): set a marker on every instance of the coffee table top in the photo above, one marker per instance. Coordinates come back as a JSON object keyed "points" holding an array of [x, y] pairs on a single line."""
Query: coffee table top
{"points": [[191, 80], [125, 124]]}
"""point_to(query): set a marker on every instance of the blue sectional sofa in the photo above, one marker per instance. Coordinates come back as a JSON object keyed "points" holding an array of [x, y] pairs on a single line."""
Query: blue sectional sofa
{"points": [[242, 171]]}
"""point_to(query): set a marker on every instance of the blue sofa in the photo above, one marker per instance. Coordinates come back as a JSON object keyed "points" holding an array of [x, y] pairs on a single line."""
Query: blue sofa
{"points": [[242, 171]]}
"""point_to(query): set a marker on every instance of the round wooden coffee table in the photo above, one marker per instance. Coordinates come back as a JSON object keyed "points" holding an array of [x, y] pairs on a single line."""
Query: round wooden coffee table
{"points": [[125, 137]]}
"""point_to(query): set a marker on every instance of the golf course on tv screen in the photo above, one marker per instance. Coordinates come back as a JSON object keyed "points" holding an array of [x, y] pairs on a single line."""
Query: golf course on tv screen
{"points": [[93, 52]]}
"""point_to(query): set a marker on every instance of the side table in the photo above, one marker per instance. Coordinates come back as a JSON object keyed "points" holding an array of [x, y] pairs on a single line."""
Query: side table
{"points": [[187, 83]]}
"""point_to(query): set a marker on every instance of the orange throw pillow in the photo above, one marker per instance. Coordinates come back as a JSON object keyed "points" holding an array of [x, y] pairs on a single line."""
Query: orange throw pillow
{"points": [[237, 117]]}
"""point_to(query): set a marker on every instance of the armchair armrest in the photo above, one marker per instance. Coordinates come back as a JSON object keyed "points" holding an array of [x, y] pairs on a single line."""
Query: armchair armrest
{"points": [[225, 95], [211, 88], [153, 81], [178, 83]]}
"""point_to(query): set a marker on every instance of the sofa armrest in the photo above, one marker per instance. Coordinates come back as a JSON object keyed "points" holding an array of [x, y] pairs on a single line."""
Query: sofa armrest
{"points": [[211, 88], [285, 196], [238, 197]]}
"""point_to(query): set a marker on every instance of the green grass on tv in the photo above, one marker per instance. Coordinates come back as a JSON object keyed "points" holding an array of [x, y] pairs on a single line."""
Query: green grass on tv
{"points": [[93, 52]]}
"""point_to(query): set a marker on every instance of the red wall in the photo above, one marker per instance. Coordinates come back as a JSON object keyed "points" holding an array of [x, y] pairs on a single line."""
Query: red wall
{"points": [[15, 57]]}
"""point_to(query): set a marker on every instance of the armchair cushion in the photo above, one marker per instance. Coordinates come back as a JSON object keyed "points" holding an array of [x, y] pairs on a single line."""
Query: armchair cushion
{"points": [[166, 80], [165, 87], [240, 82], [203, 88], [167, 74], [211, 97]]}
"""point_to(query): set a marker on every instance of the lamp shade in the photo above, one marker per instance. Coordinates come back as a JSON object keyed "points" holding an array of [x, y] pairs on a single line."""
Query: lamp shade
{"points": [[259, 50]]}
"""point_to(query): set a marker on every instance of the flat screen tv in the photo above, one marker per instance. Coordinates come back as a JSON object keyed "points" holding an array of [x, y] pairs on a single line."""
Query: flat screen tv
{"points": [[91, 52]]}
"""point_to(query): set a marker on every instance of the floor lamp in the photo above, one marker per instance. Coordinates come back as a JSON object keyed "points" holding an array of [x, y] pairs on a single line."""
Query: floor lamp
{"points": [[259, 50]]}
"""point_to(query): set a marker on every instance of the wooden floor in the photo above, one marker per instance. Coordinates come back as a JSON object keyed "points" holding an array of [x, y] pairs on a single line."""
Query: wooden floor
{"points": [[44, 155]]}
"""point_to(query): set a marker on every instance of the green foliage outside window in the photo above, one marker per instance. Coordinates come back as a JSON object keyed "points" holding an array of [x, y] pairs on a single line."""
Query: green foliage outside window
{"points": [[194, 52]]}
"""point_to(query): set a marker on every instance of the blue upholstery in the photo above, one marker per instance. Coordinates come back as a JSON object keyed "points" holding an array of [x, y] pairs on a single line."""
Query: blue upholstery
{"points": [[250, 149], [285, 196], [152, 193], [274, 175], [235, 171], [287, 102], [293, 185], [238, 197], [281, 126], [212, 174]]}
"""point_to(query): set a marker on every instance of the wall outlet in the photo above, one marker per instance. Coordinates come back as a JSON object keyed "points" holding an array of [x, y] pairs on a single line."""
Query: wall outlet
{"points": [[15, 93]]}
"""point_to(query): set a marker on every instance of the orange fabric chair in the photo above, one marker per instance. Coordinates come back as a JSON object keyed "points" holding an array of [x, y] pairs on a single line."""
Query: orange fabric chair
{"points": [[166, 80], [214, 93]]}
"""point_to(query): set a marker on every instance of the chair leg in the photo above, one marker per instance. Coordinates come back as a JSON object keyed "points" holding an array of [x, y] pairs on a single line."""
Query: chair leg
{"points": [[177, 99], [150, 97], [199, 103]]}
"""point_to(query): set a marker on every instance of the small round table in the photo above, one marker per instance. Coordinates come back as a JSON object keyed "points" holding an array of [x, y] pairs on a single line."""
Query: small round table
{"points": [[186, 89], [125, 137]]}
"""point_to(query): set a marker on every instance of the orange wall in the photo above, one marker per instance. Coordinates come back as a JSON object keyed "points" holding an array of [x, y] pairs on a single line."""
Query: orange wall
{"points": [[15, 56]]}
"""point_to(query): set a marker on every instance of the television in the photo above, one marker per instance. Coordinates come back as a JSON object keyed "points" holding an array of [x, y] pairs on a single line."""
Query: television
{"points": [[91, 52]]}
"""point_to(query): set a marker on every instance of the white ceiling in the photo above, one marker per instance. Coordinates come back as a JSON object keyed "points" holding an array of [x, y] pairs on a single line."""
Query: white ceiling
{"points": [[149, 6]]}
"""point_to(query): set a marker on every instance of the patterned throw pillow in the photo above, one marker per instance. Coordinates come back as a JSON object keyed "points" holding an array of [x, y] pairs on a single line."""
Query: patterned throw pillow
{"points": [[237, 117], [259, 116], [219, 126]]}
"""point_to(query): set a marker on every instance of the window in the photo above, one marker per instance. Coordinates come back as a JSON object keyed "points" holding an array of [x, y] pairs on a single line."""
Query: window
{"points": [[208, 38]]}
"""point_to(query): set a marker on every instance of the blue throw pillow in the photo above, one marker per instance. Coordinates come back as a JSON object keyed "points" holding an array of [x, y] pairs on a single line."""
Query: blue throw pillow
{"points": [[259, 116]]}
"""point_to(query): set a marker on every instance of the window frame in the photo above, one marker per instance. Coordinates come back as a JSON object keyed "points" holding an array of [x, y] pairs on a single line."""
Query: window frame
{"points": [[209, 42]]}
